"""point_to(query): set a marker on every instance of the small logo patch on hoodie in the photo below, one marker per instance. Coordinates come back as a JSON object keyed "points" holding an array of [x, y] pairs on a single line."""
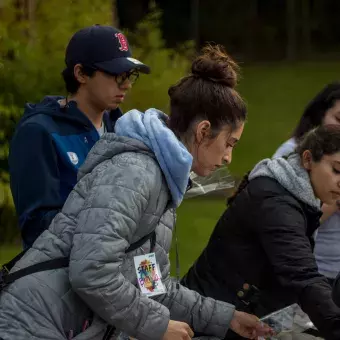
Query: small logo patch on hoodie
{"points": [[73, 157]]}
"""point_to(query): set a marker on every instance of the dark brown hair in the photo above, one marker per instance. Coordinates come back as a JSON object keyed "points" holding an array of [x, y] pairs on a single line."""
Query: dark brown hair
{"points": [[323, 140], [71, 83], [207, 93], [315, 111]]}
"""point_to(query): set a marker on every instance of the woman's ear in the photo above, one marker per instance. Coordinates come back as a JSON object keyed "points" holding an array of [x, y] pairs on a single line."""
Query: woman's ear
{"points": [[307, 160], [203, 130]]}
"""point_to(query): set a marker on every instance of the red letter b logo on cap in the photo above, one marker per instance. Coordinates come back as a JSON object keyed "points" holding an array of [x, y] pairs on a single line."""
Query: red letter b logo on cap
{"points": [[122, 41]]}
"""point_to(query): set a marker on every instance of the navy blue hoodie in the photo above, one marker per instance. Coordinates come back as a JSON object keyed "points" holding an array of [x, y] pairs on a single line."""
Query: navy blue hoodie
{"points": [[49, 145]]}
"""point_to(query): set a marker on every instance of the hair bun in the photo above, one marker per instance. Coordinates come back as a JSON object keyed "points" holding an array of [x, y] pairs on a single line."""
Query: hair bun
{"points": [[215, 65]]}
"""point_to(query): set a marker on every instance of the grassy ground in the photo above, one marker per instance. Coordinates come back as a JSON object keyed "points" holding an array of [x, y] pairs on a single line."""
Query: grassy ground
{"points": [[276, 95], [196, 219]]}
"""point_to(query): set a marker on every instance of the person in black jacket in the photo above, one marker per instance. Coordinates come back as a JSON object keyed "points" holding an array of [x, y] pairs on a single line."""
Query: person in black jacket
{"points": [[260, 255]]}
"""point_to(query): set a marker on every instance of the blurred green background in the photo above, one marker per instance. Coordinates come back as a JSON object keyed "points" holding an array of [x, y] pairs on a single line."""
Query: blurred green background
{"points": [[278, 76]]}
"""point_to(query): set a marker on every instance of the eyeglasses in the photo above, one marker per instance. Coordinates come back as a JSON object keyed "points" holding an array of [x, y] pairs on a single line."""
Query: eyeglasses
{"points": [[131, 76], [121, 78]]}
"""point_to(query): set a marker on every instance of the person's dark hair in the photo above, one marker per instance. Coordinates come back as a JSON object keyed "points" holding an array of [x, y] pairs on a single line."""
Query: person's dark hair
{"points": [[71, 83], [323, 140], [316, 109], [207, 93]]}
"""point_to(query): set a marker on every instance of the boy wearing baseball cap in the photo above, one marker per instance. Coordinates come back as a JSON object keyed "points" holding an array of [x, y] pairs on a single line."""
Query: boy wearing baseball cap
{"points": [[53, 137]]}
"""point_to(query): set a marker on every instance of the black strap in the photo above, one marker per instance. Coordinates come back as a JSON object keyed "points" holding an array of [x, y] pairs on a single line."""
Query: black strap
{"points": [[62, 262], [139, 243]]}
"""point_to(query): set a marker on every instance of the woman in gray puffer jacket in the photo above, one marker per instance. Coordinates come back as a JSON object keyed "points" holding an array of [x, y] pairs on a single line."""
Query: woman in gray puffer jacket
{"points": [[129, 186]]}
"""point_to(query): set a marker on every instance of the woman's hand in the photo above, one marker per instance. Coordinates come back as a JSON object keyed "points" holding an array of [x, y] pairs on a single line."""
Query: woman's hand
{"points": [[178, 331], [249, 326]]}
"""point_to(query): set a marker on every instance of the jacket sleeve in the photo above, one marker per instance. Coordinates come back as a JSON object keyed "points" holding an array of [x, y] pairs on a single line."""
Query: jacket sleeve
{"points": [[34, 180], [205, 315], [113, 209], [281, 227]]}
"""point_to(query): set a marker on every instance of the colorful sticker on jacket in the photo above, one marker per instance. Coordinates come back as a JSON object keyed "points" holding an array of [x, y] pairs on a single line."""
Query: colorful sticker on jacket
{"points": [[148, 275]]}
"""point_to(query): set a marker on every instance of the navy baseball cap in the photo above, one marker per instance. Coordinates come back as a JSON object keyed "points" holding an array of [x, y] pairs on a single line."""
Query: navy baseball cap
{"points": [[103, 47]]}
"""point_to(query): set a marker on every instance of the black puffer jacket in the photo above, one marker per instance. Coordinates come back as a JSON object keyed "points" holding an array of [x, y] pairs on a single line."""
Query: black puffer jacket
{"points": [[265, 239]]}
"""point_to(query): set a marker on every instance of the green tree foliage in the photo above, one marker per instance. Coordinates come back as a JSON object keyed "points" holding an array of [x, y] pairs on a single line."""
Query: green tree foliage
{"points": [[32, 49], [7, 213]]}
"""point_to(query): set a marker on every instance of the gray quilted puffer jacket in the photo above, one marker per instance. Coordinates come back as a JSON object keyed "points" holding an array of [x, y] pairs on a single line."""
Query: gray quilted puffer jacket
{"points": [[121, 196]]}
